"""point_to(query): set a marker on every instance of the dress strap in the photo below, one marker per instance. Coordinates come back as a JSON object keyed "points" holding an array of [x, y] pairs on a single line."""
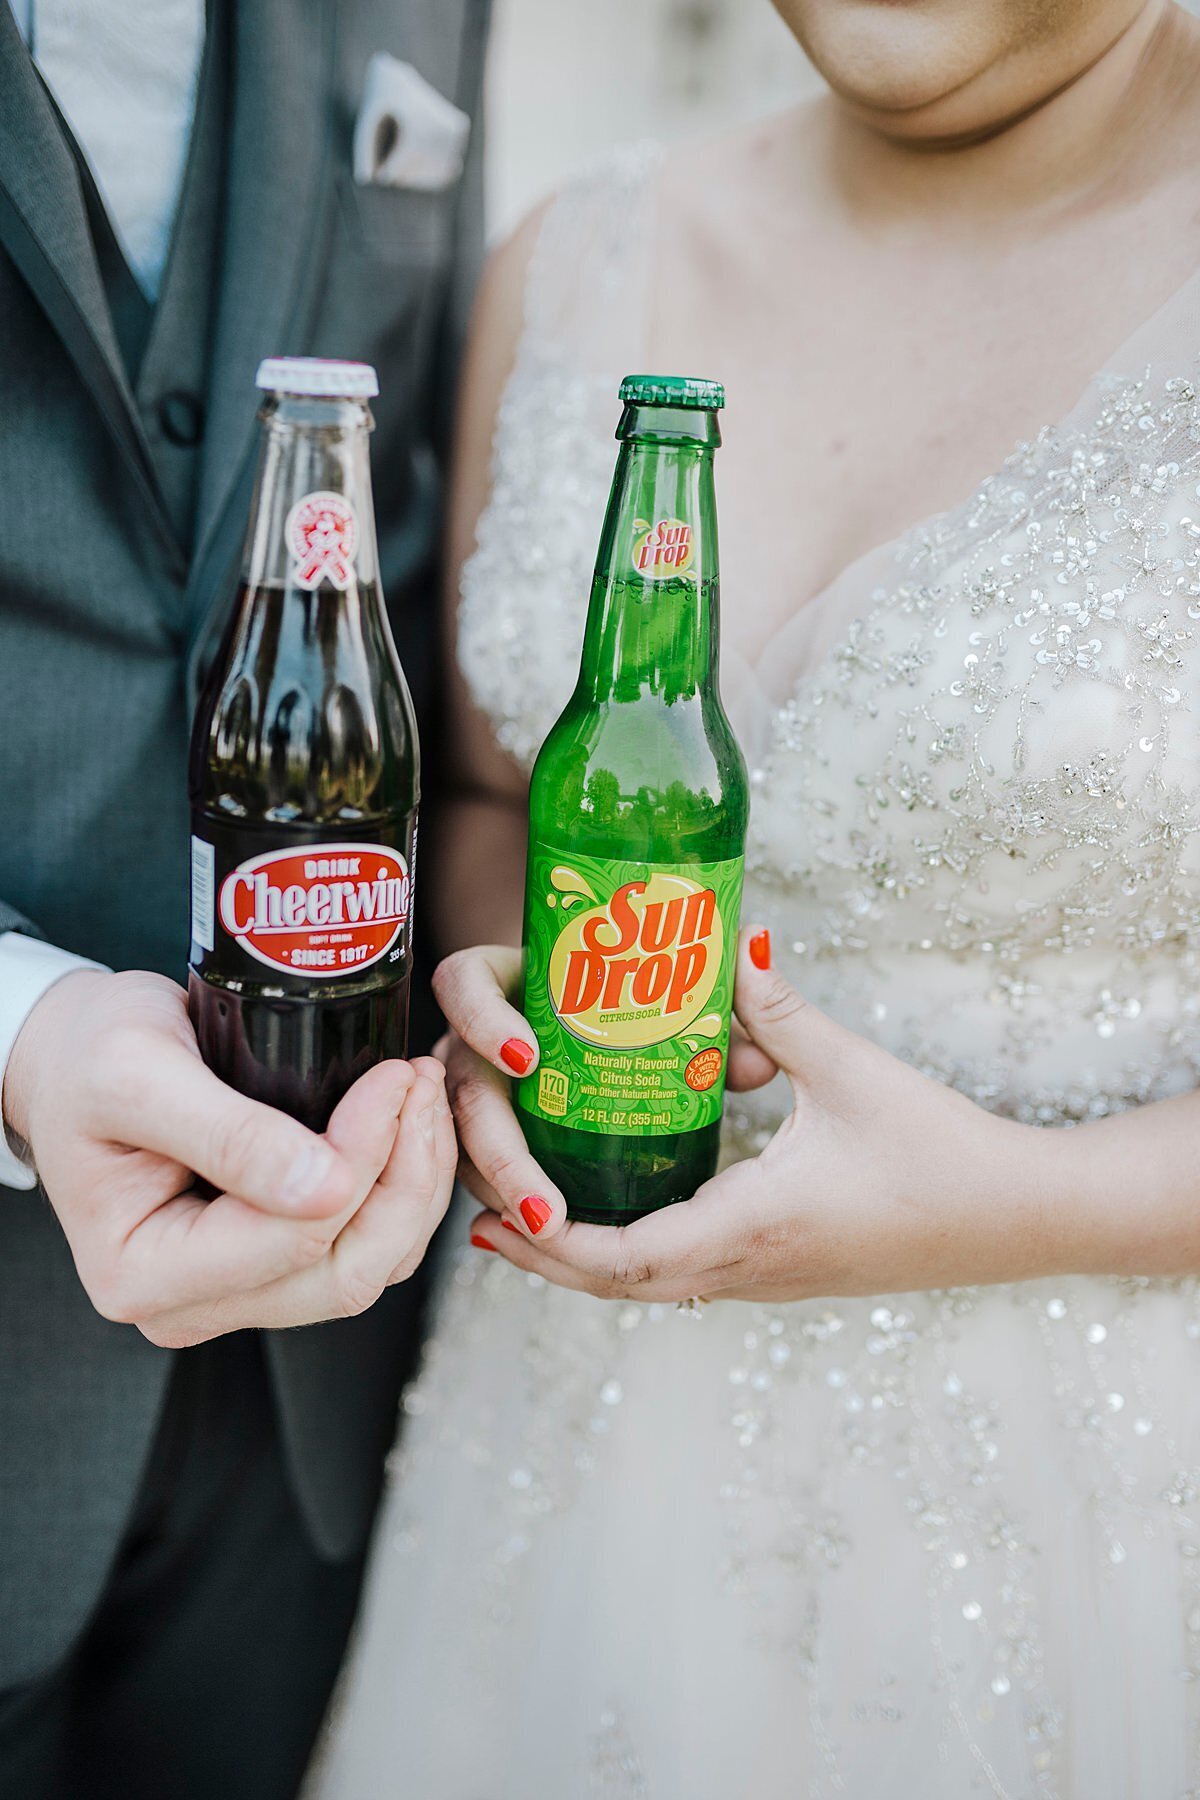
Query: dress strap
{"points": [[587, 289], [524, 588]]}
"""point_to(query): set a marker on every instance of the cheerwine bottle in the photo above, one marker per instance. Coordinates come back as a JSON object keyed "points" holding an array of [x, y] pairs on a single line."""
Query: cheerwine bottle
{"points": [[638, 808], [304, 773]]}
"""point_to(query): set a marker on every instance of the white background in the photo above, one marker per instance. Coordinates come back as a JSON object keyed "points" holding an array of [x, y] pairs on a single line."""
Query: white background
{"points": [[570, 78]]}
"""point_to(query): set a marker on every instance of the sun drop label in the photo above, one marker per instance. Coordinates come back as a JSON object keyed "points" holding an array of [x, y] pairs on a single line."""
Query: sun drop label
{"points": [[662, 548], [629, 986]]}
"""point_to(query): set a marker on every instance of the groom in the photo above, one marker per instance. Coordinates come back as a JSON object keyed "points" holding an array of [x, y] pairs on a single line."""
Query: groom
{"points": [[183, 190]]}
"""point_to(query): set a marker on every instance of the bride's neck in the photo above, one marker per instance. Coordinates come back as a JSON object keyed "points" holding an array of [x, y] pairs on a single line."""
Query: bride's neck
{"points": [[1099, 128]]}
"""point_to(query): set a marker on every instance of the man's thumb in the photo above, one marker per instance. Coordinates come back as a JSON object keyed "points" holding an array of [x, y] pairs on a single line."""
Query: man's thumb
{"points": [[796, 1036]]}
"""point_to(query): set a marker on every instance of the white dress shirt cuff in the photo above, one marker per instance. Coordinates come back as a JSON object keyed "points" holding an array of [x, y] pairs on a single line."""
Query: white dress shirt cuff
{"points": [[27, 968]]}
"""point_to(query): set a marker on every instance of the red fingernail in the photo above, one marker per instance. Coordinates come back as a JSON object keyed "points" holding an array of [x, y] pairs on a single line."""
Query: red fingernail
{"points": [[517, 1056], [481, 1243], [760, 949], [509, 1226], [535, 1212]]}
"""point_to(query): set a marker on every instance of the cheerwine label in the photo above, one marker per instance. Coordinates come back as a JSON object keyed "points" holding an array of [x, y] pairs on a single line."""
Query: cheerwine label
{"points": [[321, 910], [662, 548], [629, 987]]}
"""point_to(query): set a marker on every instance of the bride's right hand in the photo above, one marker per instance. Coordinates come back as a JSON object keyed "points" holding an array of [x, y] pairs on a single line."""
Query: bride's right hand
{"points": [[487, 1045], [489, 1042]]}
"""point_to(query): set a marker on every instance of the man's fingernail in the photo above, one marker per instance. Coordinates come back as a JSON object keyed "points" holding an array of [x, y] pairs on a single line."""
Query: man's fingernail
{"points": [[308, 1174], [481, 1243], [509, 1226], [517, 1055], [760, 949], [535, 1212]]}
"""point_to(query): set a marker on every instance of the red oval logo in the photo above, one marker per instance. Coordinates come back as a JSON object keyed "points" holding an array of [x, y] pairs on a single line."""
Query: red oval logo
{"points": [[704, 1070], [326, 910]]}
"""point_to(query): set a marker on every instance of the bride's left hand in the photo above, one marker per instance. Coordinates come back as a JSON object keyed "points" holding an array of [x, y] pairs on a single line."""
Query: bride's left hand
{"points": [[879, 1181]]}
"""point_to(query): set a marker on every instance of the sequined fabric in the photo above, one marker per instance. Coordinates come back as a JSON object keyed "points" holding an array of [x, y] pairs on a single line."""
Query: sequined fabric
{"points": [[928, 1545]]}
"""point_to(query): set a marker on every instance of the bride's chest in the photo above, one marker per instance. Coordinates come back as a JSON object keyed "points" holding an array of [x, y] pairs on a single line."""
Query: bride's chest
{"points": [[888, 388], [996, 749]]}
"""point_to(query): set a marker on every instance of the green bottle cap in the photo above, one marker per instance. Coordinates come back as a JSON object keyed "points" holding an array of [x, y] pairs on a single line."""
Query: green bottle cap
{"points": [[672, 390]]}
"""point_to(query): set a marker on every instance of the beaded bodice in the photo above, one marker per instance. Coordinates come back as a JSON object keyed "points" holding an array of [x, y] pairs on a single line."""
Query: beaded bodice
{"points": [[975, 757], [939, 1544]]}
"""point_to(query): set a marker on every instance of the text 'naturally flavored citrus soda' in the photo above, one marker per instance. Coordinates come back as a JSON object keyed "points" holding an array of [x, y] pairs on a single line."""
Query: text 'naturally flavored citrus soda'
{"points": [[637, 821]]}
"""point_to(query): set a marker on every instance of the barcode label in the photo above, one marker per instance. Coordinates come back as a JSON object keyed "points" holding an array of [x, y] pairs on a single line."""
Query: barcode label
{"points": [[203, 873]]}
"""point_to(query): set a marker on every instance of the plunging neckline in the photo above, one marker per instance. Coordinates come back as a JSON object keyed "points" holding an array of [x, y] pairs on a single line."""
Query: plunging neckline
{"points": [[586, 323], [1118, 364]]}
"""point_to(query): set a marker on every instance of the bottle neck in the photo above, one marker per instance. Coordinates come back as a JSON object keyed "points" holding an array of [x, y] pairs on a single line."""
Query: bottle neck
{"points": [[312, 523], [653, 623]]}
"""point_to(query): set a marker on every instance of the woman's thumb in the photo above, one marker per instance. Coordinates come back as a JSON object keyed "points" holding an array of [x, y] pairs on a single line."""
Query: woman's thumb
{"points": [[795, 1035]]}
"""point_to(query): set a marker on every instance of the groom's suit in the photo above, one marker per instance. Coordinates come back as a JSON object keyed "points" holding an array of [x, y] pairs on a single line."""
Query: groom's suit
{"points": [[126, 458]]}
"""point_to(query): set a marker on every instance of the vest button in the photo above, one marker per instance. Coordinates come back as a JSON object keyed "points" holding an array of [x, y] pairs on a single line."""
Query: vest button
{"points": [[181, 417]]}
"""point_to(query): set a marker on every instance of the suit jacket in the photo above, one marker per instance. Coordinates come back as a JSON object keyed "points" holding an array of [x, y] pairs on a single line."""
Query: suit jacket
{"points": [[120, 536]]}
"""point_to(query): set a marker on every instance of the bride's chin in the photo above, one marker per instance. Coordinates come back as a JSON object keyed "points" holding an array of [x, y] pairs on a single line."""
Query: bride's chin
{"points": [[902, 63], [949, 120], [927, 73], [946, 73], [946, 116]]}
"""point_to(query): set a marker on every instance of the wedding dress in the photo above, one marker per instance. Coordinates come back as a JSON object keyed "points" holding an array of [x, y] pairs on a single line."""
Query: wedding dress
{"points": [[919, 1547]]}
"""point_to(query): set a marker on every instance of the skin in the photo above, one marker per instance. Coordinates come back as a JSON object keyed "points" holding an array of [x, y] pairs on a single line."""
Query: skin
{"points": [[849, 1198], [940, 72], [993, 196], [106, 1085]]}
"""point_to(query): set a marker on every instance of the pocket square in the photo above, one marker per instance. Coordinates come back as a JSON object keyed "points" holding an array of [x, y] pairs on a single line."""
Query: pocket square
{"points": [[407, 135]]}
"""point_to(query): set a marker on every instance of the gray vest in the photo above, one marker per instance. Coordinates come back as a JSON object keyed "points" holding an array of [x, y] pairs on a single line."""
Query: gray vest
{"points": [[126, 482]]}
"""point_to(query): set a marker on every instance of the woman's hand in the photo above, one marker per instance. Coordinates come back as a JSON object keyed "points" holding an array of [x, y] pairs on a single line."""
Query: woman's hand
{"points": [[488, 1044], [879, 1181]]}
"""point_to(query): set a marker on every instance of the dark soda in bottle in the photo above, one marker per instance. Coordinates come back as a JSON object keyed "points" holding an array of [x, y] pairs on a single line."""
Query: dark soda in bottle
{"points": [[305, 772]]}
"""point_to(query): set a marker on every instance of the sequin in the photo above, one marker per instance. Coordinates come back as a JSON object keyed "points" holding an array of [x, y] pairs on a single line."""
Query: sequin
{"points": [[975, 835]]}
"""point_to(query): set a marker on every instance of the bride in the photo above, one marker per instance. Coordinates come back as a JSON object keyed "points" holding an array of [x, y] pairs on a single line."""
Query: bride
{"points": [[805, 1540]]}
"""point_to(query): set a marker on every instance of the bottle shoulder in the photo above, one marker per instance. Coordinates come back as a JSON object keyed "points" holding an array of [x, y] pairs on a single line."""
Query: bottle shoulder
{"points": [[305, 717], [642, 781]]}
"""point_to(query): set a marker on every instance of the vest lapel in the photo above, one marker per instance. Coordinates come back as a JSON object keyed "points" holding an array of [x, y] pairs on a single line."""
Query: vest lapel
{"points": [[44, 228], [280, 158], [128, 307], [174, 369]]}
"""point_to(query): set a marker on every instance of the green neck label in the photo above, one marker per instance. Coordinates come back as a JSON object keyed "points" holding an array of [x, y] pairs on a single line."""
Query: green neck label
{"points": [[629, 986]]}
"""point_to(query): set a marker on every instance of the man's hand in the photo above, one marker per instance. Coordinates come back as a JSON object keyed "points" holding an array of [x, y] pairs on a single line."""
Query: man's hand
{"points": [[106, 1086]]}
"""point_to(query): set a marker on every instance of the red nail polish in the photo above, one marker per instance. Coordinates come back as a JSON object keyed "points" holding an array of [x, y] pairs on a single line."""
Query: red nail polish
{"points": [[481, 1243], [760, 949], [509, 1226], [535, 1212], [517, 1056]]}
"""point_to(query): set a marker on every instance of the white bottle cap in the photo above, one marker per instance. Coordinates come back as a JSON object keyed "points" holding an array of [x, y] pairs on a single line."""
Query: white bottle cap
{"points": [[320, 376]]}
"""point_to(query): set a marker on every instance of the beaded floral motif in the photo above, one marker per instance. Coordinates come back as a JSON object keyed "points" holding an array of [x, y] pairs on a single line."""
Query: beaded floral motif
{"points": [[1028, 820]]}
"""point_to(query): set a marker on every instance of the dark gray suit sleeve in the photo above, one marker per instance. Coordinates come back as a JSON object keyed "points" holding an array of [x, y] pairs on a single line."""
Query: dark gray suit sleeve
{"points": [[12, 920]]}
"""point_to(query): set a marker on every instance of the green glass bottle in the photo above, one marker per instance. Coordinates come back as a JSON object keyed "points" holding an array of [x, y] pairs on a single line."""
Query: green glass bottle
{"points": [[637, 830]]}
